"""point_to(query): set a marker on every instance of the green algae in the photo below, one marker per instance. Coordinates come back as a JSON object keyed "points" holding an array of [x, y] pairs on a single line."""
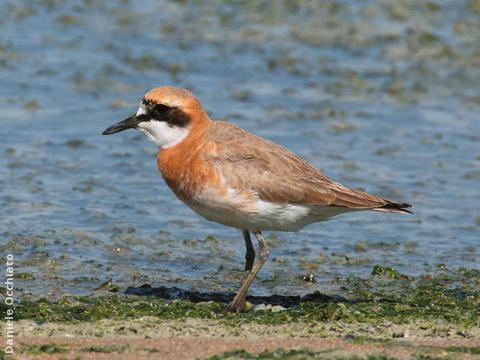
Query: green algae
{"points": [[67, 20], [474, 350], [386, 296], [417, 352], [474, 5], [45, 349], [293, 354], [388, 272], [105, 349], [76, 309], [23, 275], [31, 105]]}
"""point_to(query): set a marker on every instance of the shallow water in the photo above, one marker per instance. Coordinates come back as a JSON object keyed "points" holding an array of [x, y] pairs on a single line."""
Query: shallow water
{"points": [[382, 97]]}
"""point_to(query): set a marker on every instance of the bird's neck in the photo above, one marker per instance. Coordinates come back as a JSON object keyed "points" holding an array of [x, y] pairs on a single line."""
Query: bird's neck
{"points": [[180, 164]]}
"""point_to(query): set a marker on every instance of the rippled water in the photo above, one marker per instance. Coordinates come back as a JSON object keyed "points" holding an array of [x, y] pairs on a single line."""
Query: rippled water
{"points": [[381, 96]]}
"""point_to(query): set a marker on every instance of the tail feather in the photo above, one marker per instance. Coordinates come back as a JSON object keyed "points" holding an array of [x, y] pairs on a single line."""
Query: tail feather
{"points": [[395, 206]]}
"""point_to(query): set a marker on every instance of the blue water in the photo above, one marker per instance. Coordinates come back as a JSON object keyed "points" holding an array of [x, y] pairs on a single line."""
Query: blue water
{"points": [[382, 97]]}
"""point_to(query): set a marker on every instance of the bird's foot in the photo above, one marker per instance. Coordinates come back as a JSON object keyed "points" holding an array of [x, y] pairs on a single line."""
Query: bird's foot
{"points": [[236, 306]]}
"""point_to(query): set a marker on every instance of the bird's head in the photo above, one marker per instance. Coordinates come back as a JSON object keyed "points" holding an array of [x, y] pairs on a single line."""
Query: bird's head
{"points": [[166, 116]]}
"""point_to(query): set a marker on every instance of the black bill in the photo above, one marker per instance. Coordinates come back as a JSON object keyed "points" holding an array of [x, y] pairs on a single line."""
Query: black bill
{"points": [[128, 123]]}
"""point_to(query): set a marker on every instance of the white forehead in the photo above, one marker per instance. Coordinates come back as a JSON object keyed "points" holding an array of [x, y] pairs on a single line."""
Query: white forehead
{"points": [[142, 110]]}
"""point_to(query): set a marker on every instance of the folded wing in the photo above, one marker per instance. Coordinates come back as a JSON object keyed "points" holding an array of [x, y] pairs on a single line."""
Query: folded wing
{"points": [[274, 174]]}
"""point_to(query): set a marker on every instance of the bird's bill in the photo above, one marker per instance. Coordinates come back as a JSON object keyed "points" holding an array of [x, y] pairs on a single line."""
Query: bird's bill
{"points": [[128, 123]]}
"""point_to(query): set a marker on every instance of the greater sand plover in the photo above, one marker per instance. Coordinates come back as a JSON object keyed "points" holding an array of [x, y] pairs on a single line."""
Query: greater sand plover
{"points": [[235, 178]]}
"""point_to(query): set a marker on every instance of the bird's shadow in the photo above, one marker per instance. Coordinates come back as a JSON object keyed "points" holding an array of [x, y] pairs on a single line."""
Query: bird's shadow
{"points": [[286, 301]]}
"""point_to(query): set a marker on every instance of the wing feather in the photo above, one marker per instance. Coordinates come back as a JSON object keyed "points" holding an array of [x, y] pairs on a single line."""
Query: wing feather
{"points": [[275, 174]]}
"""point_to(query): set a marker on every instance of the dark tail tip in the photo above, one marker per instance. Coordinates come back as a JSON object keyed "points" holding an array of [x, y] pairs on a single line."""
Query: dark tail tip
{"points": [[396, 207]]}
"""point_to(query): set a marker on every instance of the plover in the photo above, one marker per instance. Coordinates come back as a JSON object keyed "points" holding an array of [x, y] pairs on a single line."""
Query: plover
{"points": [[235, 178]]}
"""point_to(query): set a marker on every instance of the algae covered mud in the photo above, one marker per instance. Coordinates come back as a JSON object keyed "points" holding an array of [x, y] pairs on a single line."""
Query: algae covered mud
{"points": [[391, 315], [380, 95]]}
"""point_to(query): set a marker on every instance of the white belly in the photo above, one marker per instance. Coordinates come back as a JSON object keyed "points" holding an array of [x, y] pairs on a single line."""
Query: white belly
{"points": [[262, 215]]}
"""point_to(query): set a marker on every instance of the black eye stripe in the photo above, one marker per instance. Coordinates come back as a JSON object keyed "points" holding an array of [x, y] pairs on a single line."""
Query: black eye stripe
{"points": [[160, 108], [160, 112], [177, 117]]}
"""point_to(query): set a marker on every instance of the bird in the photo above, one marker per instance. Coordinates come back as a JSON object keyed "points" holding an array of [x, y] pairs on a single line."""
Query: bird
{"points": [[235, 178]]}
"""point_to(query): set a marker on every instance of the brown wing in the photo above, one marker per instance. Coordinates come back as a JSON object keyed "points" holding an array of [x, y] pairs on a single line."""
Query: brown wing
{"points": [[277, 175]]}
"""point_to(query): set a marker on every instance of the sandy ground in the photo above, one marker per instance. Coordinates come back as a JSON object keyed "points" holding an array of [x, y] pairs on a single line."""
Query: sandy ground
{"points": [[149, 338], [201, 347]]}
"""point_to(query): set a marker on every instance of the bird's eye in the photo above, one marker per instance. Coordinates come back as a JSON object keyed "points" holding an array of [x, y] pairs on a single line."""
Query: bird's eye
{"points": [[160, 108]]}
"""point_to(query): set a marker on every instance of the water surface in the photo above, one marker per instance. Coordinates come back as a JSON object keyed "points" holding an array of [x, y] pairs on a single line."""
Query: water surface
{"points": [[382, 97]]}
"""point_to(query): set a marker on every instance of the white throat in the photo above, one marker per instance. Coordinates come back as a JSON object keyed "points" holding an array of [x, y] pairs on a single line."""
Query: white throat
{"points": [[160, 132]]}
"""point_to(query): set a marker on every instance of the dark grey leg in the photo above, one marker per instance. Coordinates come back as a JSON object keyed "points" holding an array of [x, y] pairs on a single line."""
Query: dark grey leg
{"points": [[250, 255]]}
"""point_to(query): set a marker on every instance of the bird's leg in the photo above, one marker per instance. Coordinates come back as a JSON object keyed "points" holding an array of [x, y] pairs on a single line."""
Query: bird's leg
{"points": [[250, 255], [238, 302]]}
